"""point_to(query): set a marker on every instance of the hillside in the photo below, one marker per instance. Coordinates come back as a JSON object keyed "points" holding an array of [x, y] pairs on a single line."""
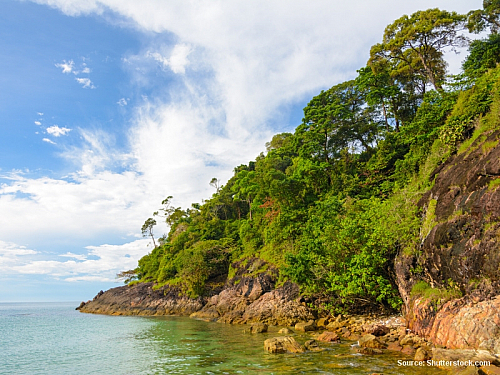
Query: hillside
{"points": [[384, 198]]}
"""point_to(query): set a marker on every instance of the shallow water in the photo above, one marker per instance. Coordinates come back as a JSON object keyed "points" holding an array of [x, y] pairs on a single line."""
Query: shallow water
{"points": [[53, 338]]}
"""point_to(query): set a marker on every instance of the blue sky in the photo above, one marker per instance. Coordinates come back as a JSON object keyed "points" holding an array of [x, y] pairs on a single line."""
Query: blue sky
{"points": [[107, 107]]}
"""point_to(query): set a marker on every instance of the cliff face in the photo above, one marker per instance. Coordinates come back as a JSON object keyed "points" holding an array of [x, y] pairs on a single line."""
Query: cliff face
{"points": [[460, 254]]}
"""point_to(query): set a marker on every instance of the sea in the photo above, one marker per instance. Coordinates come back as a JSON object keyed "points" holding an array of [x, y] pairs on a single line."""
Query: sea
{"points": [[54, 338]]}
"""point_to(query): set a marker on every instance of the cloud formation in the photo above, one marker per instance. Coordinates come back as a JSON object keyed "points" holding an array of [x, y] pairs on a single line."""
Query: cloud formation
{"points": [[66, 66], [238, 68], [56, 131], [48, 141], [85, 82]]}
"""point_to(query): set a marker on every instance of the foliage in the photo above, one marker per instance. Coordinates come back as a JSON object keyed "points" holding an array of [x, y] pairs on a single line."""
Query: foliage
{"points": [[332, 204]]}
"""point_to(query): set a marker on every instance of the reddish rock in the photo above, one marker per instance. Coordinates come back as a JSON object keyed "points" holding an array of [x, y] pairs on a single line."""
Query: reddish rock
{"points": [[328, 337], [377, 329]]}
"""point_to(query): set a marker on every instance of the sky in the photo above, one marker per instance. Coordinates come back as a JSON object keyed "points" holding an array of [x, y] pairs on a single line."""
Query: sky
{"points": [[109, 106]]}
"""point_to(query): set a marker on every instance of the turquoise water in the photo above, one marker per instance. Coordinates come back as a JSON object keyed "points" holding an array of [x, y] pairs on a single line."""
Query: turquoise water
{"points": [[53, 338]]}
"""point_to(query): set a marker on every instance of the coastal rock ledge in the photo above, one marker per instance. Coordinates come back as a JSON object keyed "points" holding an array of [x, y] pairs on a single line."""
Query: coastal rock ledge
{"points": [[251, 300]]}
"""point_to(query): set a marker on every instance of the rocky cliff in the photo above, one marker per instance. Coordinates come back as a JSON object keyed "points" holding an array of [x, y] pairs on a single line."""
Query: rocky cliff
{"points": [[459, 257]]}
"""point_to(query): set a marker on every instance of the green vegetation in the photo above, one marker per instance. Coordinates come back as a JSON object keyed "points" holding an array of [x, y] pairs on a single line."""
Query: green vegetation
{"points": [[331, 205], [437, 295]]}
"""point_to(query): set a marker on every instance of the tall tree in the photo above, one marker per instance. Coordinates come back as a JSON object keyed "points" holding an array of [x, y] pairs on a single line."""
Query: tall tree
{"points": [[420, 39], [489, 16], [147, 229]]}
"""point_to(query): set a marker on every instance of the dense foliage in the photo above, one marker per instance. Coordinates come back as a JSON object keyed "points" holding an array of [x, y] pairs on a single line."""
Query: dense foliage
{"points": [[332, 204]]}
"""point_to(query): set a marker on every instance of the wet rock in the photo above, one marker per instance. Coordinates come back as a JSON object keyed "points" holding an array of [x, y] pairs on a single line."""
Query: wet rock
{"points": [[285, 331], [312, 345], [328, 336], [422, 355], [282, 345], [370, 341], [306, 326], [368, 351], [257, 328]]}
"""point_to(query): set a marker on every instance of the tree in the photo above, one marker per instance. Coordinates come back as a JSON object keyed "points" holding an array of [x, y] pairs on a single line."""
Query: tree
{"points": [[489, 16], [127, 276], [147, 229], [334, 120], [420, 40]]}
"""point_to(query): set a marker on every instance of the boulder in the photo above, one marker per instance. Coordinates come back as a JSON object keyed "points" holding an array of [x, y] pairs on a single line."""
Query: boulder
{"points": [[422, 354], [377, 329], [312, 345], [370, 341], [306, 326], [328, 336], [285, 331], [257, 328], [284, 344]]}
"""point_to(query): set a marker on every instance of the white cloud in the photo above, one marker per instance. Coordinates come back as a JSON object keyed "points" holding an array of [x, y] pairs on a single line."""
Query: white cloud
{"points": [[56, 131], [247, 62], [122, 102], [178, 58], [66, 66], [86, 70], [12, 255], [85, 82], [48, 141], [38, 123], [108, 261]]}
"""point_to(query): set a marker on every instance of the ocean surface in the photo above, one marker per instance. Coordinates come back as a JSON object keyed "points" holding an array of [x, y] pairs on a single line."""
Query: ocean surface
{"points": [[53, 338]]}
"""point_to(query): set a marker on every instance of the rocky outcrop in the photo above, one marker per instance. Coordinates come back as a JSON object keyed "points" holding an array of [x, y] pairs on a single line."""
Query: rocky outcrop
{"points": [[458, 324], [251, 300], [142, 299], [255, 300], [459, 253]]}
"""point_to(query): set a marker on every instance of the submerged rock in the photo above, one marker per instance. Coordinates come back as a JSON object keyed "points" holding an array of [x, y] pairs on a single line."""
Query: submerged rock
{"points": [[283, 345], [257, 328]]}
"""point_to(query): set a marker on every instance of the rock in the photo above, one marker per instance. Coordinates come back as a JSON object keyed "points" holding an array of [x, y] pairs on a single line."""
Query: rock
{"points": [[257, 328], [282, 344], [312, 345], [370, 341], [395, 347], [278, 307], [422, 355], [142, 299], [285, 331], [328, 336], [306, 326], [491, 370], [322, 322], [408, 350], [368, 351], [377, 329], [80, 306]]}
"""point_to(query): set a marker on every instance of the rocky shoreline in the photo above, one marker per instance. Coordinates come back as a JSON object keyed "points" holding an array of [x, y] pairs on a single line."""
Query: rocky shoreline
{"points": [[255, 302]]}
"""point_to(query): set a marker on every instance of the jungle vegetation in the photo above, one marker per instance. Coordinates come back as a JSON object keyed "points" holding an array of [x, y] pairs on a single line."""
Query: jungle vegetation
{"points": [[332, 204]]}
